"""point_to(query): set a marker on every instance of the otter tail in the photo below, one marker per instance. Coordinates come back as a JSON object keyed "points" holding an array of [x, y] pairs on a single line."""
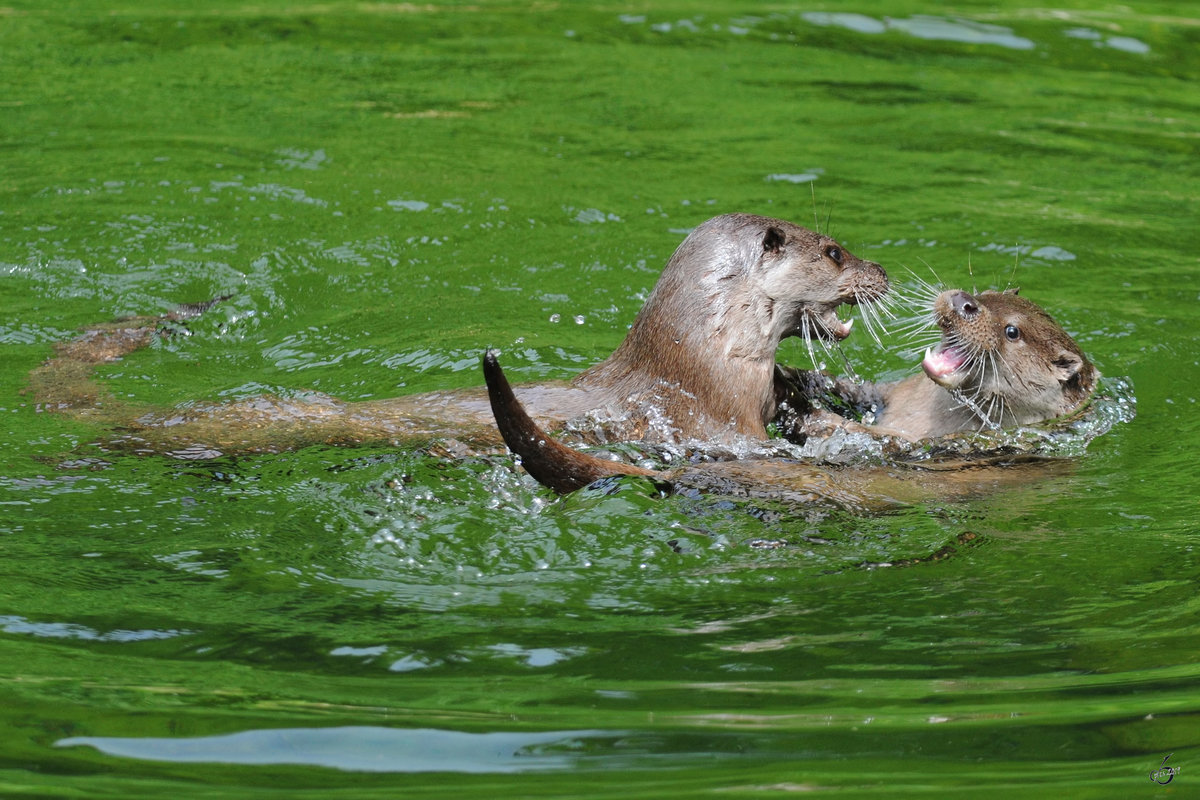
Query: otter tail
{"points": [[550, 462]]}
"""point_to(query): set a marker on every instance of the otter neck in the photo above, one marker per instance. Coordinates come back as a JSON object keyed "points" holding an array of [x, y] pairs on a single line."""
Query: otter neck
{"points": [[918, 408], [714, 367]]}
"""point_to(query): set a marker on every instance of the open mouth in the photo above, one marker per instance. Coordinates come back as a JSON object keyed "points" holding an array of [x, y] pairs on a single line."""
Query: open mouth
{"points": [[826, 325], [942, 363]]}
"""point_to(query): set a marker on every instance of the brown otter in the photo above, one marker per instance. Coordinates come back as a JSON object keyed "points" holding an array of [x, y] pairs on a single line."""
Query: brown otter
{"points": [[699, 360], [1002, 361], [702, 349]]}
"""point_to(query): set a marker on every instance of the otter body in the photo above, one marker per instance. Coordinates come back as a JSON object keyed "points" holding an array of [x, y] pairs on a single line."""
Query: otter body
{"points": [[697, 363]]}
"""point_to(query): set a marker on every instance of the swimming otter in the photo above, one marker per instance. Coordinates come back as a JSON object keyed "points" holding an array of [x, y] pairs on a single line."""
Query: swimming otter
{"points": [[1002, 361], [702, 349], [699, 360]]}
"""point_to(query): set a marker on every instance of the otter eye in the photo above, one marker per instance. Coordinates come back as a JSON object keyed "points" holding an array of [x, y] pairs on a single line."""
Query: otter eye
{"points": [[834, 253], [1012, 333]]}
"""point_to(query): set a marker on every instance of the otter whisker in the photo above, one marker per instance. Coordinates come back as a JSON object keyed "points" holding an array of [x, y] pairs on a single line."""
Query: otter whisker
{"points": [[822, 331], [879, 307], [919, 338], [991, 407], [870, 322], [807, 333], [956, 340], [996, 410], [924, 295], [975, 402], [917, 325], [940, 284], [975, 409], [886, 305], [916, 300], [987, 369], [1007, 367], [829, 343], [916, 346], [850, 373], [918, 329], [913, 306], [895, 305]]}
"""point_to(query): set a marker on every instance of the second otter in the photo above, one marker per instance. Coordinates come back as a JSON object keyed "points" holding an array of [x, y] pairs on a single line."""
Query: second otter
{"points": [[1002, 362]]}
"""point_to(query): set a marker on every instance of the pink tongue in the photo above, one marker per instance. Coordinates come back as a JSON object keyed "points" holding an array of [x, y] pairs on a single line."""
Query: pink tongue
{"points": [[940, 363]]}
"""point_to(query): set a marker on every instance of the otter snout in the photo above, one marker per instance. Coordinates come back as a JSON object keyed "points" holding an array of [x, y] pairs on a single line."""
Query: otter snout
{"points": [[964, 304], [868, 283]]}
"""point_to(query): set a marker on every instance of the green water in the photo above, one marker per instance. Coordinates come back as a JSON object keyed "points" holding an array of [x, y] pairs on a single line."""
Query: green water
{"points": [[387, 189]]}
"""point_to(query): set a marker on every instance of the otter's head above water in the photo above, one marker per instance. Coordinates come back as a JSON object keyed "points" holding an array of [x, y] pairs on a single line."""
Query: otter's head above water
{"points": [[1006, 359], [748, 282], [703, 345]]}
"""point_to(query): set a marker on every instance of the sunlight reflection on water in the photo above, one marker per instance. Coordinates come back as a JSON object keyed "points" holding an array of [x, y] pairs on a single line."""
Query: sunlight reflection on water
{"points": [[360, 748]]}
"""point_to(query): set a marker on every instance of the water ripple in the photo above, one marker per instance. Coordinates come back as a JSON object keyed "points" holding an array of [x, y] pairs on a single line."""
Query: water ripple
{"points": [[361, 749], [66, 630]]}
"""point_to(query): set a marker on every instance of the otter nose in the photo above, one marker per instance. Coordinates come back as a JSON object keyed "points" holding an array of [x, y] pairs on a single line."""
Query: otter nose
{"points": [[965, 305]]}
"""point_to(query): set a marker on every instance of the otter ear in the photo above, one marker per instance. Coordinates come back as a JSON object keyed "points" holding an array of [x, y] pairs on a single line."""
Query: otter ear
{"points": [[1068, 366], [773, 240]]}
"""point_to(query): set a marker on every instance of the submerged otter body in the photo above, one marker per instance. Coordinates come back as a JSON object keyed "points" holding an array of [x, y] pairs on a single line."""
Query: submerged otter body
{"points": [[698, 361], [1002, 362]]}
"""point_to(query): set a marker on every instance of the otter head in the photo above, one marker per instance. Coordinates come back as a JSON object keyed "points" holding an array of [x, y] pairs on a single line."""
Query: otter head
{"points": [[807, 276], [752, 281], [1007, 358]]}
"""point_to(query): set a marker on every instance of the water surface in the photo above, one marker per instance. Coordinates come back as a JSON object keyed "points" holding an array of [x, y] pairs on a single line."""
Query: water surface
{"points": [[388, 189]]}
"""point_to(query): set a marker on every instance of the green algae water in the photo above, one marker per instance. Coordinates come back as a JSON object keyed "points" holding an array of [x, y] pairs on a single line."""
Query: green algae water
{"points": [[386, 190]]}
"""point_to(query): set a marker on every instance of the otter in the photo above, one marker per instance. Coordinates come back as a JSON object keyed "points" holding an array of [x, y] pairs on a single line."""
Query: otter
{"points": [[699, 361], [702, 349], [1002, 362]]}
